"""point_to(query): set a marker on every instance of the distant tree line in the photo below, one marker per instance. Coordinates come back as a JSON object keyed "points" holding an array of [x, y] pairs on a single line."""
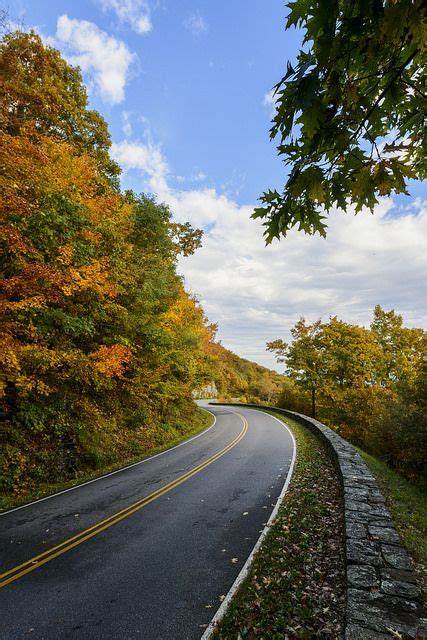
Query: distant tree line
{"points": [[368, 383], [240, 379]]}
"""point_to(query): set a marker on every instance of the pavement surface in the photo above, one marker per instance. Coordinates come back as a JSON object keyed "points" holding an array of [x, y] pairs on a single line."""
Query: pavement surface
{"points": [[147, 552]]}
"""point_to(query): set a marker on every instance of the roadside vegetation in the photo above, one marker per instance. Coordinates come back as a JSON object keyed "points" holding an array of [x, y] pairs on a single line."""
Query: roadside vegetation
{"points": [[295, 588], [370, 384], [202, 420]]}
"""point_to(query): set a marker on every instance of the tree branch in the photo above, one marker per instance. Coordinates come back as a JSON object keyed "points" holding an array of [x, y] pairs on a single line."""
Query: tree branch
{"points": [[383, 93]]}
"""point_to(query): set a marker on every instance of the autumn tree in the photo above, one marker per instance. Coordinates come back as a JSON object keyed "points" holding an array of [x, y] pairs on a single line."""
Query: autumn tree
{"points": [[402, 348], [366, 382], [329, 358], [350, 113], [44, 96], [350, 354], [303, 357], [100, 342]]}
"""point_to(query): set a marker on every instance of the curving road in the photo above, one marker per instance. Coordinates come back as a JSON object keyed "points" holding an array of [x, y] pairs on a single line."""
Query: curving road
{"points": [[148, 551]]}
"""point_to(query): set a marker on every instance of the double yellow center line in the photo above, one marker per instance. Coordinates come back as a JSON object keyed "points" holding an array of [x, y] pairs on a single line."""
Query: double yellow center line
{"points": [[37, 561]]}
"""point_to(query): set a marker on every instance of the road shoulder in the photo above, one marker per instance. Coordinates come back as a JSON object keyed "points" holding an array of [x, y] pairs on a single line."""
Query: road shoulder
{"points": [[297, 578], [9, 502]]}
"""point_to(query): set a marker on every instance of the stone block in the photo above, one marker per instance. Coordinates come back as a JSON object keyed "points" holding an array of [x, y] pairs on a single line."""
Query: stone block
{"points": [[399, 588], [384, 534], [357, 516], [396, 557], [356, 493], [356, 530], [362, 576], [388, 573], [382, 612], [358, 505], [365, 480], [354, 632], [363, 552], [381, 522]]}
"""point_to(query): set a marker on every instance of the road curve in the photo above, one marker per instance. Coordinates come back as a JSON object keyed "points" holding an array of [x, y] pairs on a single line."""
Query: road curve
{"points": [[147, 552]]}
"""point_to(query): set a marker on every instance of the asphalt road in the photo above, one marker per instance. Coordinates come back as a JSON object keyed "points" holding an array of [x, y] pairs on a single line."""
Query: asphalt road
{"points": [[147, 552]]}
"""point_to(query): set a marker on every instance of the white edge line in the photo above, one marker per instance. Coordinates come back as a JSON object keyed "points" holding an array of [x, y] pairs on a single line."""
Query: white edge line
{"points": [[245, 569], [112, 473]]}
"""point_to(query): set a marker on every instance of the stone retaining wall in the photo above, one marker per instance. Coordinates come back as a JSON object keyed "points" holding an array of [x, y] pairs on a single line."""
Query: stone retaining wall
{"points": [[382, 594]]}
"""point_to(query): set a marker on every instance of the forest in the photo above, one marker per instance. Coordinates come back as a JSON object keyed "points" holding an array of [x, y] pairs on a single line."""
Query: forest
{"points": [[239, 379], [103, 350], [101, 347], [368, 383]]}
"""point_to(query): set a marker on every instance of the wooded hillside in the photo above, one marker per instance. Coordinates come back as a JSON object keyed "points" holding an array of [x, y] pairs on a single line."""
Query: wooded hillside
{"points": [[243, 380], [101, 345]]}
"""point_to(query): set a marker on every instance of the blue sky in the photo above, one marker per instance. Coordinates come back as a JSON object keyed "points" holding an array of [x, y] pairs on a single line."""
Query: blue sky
{"points": [[184, 88], [198, 79]]}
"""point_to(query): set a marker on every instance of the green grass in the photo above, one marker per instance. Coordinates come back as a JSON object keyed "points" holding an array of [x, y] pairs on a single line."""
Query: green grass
{"points": [[408, 506], [295, 587], [7, 501]]}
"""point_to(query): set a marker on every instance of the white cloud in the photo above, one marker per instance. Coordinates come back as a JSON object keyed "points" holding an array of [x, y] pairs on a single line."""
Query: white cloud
{"points": [[147, 158], [269, 101], [257, 293], [196, 24], [104, 59], [198, 177], [269, 98], [127, 125], [136, 13]]}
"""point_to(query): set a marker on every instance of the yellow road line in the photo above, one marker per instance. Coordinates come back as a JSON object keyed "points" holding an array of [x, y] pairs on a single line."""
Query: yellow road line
{"points": [[37, 561]]}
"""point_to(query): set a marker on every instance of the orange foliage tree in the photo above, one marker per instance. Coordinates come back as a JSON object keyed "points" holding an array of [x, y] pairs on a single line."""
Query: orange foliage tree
{"points": [[101, 345]]}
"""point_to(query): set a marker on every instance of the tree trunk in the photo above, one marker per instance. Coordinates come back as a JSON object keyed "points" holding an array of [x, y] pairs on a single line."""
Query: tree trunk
{"points": [[313, 402]]}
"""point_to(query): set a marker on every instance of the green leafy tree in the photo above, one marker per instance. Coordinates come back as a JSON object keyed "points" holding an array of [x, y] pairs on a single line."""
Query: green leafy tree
{"points": [[350, 354], [402, 348], [303, 357], [369, 384], [350, 114]]}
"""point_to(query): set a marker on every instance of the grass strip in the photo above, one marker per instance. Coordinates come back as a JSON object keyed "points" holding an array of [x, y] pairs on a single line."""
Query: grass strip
{"points": [[8, 501], [296, 585], [408, 507]]}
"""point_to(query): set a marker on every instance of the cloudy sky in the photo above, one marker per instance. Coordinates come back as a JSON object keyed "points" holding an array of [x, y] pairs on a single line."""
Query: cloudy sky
{"points": [[185, 87]]}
